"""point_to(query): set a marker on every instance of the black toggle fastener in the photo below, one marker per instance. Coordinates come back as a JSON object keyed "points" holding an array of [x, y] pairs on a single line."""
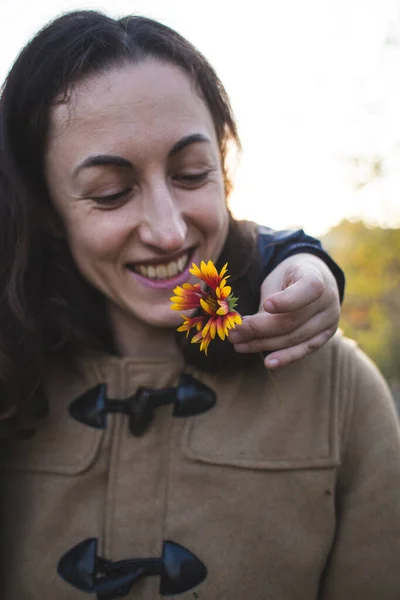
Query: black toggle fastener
{"points": [[189, 398], [179, 570]]}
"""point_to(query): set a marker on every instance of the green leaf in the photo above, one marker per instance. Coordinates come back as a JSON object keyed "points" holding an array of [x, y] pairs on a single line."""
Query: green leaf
{"points": [[232, 302]]}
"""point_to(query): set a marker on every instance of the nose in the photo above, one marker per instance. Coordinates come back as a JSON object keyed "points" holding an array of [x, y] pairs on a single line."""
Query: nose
{"points": [[162, 226]]}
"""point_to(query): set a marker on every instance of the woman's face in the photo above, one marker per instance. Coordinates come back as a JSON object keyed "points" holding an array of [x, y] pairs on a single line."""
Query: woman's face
{"points": [[134, 171]]}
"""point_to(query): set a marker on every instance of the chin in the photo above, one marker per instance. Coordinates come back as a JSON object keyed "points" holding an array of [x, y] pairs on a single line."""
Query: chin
{"points": [[165, 318]]}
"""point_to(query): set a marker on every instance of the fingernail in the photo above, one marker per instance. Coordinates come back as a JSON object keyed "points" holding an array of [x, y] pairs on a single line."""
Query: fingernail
{"points": [[272, 363]]}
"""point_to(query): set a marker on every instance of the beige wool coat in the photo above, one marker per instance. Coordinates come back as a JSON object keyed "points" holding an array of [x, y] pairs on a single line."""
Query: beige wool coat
{"points": [[290, 499]]}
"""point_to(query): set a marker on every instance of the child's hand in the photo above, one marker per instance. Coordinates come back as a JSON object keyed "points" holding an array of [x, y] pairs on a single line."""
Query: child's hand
{"points": [[299, 312]]}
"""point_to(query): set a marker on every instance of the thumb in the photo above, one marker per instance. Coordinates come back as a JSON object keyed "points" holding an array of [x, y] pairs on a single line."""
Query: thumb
{"points": [[307, 289]]}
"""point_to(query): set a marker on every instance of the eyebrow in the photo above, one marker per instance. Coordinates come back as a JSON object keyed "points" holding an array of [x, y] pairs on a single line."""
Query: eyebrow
{"points": [[101, 160], [193, 138], [106, 160]]}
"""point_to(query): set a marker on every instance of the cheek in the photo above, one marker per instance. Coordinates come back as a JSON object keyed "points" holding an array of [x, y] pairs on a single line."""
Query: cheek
{"points": [[212, 211], [94, 240], [222, 231], [216, 221]]}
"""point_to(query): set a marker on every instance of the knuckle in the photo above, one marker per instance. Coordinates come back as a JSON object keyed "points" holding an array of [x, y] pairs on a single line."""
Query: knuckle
{"points": [[319, 340], [293, 272], [330, 332], [249, 329], [297, 338], [332, 299], [254, 330], [317, 286], [313, 345], [288, 323]]}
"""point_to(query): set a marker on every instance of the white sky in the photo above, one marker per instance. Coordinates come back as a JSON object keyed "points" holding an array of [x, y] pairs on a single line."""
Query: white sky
{"points": [[314, 83]]}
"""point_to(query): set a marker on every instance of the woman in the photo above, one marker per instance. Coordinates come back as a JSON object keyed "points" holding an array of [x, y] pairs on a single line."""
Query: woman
{"points": [[117, 173]]}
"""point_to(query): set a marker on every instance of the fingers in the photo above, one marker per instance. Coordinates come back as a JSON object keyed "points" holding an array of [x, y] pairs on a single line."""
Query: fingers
{"points": [[263, 325], [295, 353], [306, 290], [258, 337], [293, 322]]}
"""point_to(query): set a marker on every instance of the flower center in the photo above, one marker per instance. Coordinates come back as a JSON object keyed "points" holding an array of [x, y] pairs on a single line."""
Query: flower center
{"points": [[212, 302]]}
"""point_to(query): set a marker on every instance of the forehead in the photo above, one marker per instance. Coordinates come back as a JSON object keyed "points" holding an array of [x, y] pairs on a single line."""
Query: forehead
{"points": [[147, 103]]}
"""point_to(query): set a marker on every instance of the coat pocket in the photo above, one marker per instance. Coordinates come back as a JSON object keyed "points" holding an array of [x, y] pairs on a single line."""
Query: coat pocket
{"points": [[250, 427]]}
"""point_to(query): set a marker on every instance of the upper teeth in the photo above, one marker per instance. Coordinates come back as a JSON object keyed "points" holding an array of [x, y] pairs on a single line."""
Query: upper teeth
{"points": [[164, 271]]}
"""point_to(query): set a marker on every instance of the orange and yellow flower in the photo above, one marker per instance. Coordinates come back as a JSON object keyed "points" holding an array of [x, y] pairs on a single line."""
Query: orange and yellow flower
{"points": [[216, 301]]}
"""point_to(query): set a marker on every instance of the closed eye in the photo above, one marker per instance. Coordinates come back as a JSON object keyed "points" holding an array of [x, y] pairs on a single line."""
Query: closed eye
{"points": [[191, 179], [112, 198]]}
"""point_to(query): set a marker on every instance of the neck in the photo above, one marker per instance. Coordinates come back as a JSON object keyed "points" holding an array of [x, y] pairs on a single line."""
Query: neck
{"points": [[135, 338]]}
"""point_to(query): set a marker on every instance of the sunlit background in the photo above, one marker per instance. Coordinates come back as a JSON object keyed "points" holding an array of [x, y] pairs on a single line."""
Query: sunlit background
{"points": [[315, 85]]}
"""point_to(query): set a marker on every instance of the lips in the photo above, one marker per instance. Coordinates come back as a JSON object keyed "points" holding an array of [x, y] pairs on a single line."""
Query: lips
{"points": [[163, 270]]}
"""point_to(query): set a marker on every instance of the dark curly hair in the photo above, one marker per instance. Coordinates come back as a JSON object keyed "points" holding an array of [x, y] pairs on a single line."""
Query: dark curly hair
{"points": [[45, 304]]}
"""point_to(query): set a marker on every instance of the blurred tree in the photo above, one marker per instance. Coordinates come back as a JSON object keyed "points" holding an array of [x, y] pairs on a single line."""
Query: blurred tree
{"points": [[370, 257]]}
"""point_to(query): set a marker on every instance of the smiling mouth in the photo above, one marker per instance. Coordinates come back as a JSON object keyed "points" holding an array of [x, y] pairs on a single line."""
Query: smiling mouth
{"points": [[163, 270]]}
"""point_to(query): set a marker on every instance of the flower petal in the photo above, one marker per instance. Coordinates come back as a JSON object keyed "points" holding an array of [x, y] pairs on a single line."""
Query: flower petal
{"points": [[206, 328], [223, 291], [223, 270], [195, 271], [196, 287], [213, 328], [223, 282], [196, 338], [189, 323], [223, 308], [205, 342], [206, 307], [210, 269], [221, 328], [237, 318]]}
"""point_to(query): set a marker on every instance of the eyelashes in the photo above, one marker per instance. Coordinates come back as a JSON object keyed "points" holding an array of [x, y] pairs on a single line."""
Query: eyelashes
{"points": [[192, 178], [112, 198], [188, 181]]}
